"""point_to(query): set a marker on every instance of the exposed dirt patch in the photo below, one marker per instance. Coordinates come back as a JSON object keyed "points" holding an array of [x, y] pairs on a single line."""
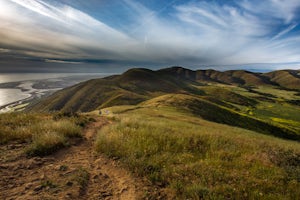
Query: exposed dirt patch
{"points": [[72, 173]]}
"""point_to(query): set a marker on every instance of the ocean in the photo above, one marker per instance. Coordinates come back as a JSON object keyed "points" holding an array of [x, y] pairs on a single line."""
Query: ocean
{"points": [[19, 87]]}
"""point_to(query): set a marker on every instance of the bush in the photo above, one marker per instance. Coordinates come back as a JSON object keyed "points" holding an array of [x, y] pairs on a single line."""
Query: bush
{"points": [[44, 133], [46, 143]]}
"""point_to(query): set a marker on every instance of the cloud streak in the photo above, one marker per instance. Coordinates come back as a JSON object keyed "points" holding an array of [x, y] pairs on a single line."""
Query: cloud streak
{"points": [[190, 33], [58, 30]]}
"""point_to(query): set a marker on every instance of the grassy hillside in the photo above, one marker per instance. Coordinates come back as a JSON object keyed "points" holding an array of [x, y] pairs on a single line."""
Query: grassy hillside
{"points": [[193, 134], [197, 159], [254, 101], [134, 86], [289, 79], [137, 85], [216, 113], [43, 133]]}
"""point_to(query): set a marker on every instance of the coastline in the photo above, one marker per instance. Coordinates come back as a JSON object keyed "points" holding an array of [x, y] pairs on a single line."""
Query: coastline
{"points": [[20, 105], [37, 88], [26, 87]]}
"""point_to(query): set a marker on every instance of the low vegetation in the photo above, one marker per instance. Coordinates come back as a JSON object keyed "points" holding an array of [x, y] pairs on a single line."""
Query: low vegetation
{"points": [[199, 159], [43, 133], [82, 178], [216, 113], [201, 134]]}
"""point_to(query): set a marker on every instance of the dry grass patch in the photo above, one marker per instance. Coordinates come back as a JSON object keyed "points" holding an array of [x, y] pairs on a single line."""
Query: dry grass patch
{"points": [[200, 159], [44, 133]]}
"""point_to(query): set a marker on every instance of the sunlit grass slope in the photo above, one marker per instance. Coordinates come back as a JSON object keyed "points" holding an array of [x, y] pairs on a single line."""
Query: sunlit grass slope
{"points": [[139, 84], [198, 159], [216, 113], [43, 133]]}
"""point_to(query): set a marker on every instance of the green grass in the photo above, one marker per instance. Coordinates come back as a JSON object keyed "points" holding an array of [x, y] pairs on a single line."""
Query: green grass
{"points": [[277, 106], [283, 94], [44, 133], [228, 95], [17, 126], [217, 113], [200, 159], [46, 143]]}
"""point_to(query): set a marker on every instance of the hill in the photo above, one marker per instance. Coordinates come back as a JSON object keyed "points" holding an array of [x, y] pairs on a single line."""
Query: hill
{"points": [[289, 79], [132, 87], [213, 112], [164, 141], [173, 133], [137, 85], [238, 98]]}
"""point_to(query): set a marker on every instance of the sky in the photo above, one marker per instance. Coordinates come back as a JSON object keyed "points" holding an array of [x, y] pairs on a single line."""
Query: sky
{"points": [[114, 35]]}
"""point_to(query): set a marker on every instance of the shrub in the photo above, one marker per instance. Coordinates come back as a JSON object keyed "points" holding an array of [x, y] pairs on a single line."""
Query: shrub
{"points": [[45, 143]]}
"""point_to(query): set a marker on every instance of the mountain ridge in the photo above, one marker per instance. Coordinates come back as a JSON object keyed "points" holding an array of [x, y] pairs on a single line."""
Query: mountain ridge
{"points": [[139, 84]]}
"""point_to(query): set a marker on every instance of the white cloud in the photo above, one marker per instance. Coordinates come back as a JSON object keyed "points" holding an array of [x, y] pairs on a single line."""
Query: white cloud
{"points": [[196, 33], [37, 25], [279, 9]]}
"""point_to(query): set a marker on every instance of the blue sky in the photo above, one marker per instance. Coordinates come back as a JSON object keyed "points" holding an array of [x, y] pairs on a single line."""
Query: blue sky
{"points": [[112, 35]]}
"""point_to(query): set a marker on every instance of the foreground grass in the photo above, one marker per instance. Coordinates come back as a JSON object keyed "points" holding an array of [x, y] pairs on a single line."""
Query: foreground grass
{"points": [[200, 159], [43, 133]]}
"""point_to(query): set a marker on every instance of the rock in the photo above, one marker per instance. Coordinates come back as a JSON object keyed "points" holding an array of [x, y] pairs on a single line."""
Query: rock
{"points": [[37, 159], [68, 195], [38, 188], [63, 168], [105, 194], [95, 176], [3, 167], [15, 146], [10, 186], [28, 186], [43, 176], [105, 176], [123, 190], [69, 183]]}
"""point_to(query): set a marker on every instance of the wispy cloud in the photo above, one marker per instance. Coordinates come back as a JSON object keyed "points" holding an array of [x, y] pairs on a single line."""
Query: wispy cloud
{"points": [[285, 31], [40, 26], [62, 61], [190, 33]]}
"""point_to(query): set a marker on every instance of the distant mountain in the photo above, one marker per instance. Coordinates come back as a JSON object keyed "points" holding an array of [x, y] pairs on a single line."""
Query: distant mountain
{"points": [[132, 87], [137, 85], [289, 79]]}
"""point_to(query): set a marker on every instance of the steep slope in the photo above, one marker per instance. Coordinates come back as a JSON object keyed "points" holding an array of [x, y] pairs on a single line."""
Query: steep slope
{"points": [[289, 79], [137, 85], [213, 112], [249, 78], [132, 87]]}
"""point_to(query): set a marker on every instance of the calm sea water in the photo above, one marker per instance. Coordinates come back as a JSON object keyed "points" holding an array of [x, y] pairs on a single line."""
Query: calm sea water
{"points": [[10, 95], [5, 78]]}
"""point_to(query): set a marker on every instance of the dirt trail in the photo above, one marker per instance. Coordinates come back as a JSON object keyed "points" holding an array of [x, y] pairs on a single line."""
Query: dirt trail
{"points": [[72, 173]]}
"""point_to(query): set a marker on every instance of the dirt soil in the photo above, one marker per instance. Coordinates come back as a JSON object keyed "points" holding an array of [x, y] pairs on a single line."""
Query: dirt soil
{"points": [[74, 173]]}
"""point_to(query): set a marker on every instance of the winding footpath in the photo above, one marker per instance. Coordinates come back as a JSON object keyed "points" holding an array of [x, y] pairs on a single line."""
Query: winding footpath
{"points": [[73, 173]]}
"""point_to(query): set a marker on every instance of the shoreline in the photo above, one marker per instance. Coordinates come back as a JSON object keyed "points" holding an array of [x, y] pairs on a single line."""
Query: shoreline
{"points": [[26, 87], [38, 88]]}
